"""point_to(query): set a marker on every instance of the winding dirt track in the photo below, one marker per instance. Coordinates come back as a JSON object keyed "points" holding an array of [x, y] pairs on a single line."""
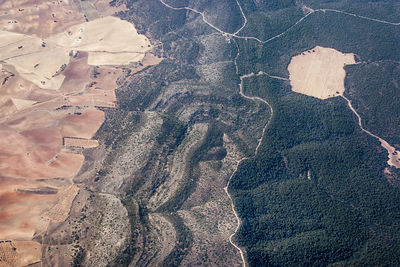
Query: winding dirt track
{"points": [[253, 98], [393, 155]]}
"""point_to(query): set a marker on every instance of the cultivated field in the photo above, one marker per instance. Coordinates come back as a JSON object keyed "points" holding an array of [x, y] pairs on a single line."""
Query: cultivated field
{"points": [[319, 72], [59, 62]]}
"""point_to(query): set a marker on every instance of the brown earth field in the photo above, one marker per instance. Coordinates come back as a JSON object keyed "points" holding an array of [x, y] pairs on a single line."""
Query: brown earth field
{"points": [[49, 108]]}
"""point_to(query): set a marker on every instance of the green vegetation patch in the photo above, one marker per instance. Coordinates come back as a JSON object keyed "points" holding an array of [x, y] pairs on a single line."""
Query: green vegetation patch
{"points": [[315, 194]]}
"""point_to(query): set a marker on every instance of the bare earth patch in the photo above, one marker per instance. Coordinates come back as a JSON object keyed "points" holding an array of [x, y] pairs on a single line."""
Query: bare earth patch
{"points": [[319, 72], [79, 142], [13, 253]]}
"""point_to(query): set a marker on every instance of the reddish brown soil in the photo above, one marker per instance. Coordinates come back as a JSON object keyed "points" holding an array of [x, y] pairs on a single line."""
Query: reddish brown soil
{"points": [[31, 137]]}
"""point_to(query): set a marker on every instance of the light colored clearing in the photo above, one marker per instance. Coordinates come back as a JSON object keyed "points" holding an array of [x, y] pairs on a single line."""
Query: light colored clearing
{"points": [[84, 143], [21, 104], [108, 34], [38, 64], [19, 253], [108, 40], [319, 72], [39, 18]]}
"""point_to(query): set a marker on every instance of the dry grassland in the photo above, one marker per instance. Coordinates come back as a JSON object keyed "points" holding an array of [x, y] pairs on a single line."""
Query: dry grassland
{"points": [[108, 40], [39, 18], [319, 72]]}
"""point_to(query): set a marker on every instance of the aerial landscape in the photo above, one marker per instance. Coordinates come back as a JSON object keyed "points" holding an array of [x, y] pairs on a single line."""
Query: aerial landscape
{"points": [[200, 133]]}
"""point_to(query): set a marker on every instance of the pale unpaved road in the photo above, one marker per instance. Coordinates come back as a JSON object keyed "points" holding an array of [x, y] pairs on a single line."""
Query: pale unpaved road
{"points": [[311, 11], [393, 155], [253, 98]]}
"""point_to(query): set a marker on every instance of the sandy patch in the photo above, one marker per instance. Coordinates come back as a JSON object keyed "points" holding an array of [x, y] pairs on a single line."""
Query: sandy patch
{"points": [[319, 72], [84, 143]]}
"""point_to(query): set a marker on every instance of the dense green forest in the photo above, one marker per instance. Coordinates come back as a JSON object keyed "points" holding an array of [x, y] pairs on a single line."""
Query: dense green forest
{"points": [[316, 194], [374, 88]]}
